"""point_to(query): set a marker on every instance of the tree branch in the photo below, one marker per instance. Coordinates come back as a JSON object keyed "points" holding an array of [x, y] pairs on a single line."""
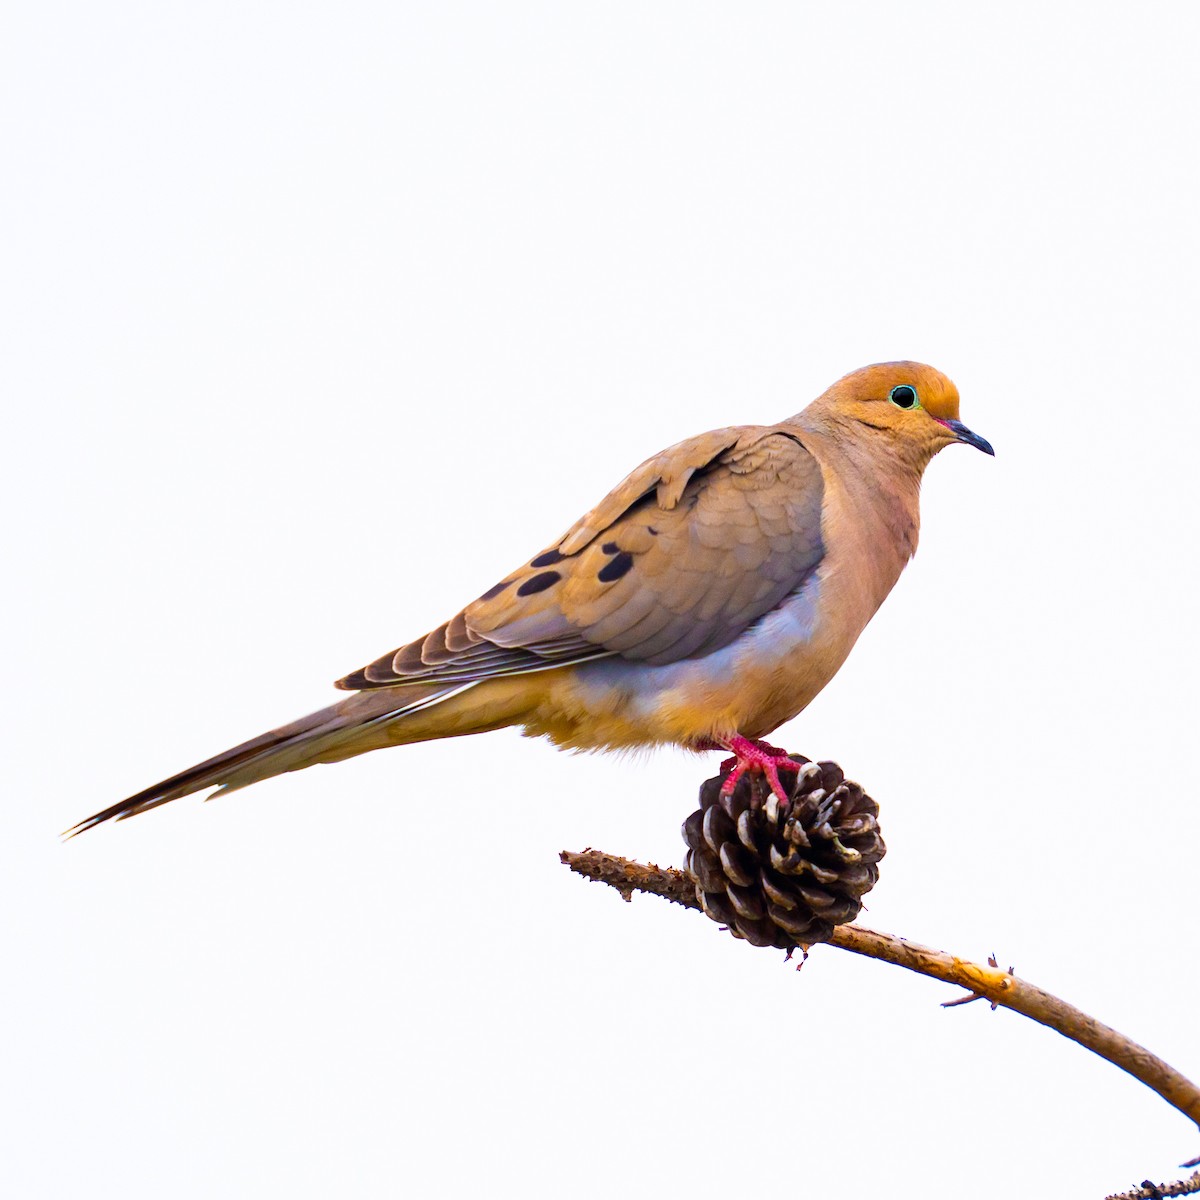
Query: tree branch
{"points": [[1156, 1191], [988, 982]]}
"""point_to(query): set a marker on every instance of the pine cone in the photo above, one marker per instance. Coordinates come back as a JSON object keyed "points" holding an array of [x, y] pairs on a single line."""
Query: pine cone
{"points": [[784, 874]]}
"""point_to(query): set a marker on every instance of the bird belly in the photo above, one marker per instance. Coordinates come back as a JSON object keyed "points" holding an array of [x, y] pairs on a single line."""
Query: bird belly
{"points": [[763, 678]]}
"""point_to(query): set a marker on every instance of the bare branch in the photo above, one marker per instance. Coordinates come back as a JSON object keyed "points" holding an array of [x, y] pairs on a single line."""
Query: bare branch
{"points": [[1155, 1191], [987, 982]]}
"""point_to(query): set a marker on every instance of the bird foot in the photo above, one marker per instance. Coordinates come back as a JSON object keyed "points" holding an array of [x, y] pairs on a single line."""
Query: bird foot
{"points": [[758, 758]]}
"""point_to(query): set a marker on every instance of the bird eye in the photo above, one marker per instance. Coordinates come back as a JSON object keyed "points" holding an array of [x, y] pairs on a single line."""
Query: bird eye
{"points": [[904, 397]]}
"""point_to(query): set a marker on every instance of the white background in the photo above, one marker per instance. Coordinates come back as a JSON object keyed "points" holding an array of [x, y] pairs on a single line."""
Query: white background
{"points": [[319, 318]]}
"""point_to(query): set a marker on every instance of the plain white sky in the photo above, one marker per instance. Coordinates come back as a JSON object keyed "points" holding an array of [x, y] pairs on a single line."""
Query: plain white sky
{"points": [[317, 319]]}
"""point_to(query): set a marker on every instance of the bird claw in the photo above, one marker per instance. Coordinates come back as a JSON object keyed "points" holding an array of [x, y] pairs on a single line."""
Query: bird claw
{"points": [[759, 758]]}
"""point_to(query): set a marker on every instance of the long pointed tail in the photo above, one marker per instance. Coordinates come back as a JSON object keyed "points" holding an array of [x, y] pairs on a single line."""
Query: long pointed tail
{"points": [[364, 721]]}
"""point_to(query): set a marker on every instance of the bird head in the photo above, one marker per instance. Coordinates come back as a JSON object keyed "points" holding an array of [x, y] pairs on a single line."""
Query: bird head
{"points": [[911, 405]]}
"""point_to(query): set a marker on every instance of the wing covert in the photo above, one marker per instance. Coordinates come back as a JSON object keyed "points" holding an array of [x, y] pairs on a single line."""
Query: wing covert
{"points": [[683, 556]]}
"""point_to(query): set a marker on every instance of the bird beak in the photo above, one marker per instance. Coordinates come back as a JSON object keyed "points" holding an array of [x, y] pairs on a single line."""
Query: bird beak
{"points": [[963, 434]]}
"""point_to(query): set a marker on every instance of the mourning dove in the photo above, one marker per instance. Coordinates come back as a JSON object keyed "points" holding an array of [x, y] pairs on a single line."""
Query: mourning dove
{"points": [[703, 602]]}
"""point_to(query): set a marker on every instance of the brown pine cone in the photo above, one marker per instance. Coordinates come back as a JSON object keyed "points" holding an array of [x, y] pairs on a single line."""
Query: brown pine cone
{"points": [[784, 874]]}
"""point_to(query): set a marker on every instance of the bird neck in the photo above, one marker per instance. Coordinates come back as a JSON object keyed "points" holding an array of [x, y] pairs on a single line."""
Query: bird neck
{"points": [[880, 481]]}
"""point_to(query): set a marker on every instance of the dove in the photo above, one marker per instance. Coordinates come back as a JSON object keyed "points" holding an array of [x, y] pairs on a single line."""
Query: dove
{"points": [[706, 600]]}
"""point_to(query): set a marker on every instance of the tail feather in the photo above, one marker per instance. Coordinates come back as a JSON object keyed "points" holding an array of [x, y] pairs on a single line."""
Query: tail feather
{"points": [[339, 731]]}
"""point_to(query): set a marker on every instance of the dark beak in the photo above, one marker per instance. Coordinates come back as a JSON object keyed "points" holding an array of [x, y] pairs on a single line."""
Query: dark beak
{"points": [[963, 434]]}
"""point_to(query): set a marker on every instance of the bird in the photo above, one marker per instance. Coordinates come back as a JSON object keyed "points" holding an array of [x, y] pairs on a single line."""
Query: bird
{"points": [[706, 600]]}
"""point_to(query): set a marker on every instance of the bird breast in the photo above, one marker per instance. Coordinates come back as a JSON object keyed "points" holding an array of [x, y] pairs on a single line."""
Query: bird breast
{"points": [[769, 673]]}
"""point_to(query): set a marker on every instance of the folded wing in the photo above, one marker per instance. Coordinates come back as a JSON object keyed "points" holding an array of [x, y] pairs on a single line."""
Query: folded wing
{"points": [[682, 557]]}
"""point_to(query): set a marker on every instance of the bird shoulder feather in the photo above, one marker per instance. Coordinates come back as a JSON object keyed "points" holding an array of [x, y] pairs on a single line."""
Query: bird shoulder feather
{"points": [[680, 558]]}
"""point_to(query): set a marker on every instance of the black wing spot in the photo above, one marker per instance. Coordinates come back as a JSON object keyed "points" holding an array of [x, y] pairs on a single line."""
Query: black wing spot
{"points": [[538, 583], [615, 569], [495, 590], [548, 559], [610, 548]]}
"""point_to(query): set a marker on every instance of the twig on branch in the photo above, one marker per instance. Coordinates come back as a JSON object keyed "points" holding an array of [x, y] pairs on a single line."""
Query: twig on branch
{"points": [[985, 982], [1156, 1191]]}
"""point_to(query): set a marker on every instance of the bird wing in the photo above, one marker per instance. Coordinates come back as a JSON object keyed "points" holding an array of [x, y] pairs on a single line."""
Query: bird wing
{"points": [[685, 554]]}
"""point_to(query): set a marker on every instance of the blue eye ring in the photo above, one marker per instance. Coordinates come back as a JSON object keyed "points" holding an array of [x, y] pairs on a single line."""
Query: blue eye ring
{"points": [[904, 395]]}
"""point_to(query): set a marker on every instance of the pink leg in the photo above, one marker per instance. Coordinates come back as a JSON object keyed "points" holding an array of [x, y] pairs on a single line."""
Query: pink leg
{"points": [[757, 756]]}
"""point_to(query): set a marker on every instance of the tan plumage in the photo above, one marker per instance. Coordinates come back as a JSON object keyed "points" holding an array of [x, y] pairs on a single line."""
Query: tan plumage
{"points": [[710, 595], [709, 562]]}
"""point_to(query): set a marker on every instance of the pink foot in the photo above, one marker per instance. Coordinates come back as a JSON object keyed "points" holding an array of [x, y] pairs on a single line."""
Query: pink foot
{"points": [[756, 756]]}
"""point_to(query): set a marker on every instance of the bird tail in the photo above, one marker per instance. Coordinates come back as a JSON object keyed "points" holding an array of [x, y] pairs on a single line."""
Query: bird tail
{"points": [[364, 721]]}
